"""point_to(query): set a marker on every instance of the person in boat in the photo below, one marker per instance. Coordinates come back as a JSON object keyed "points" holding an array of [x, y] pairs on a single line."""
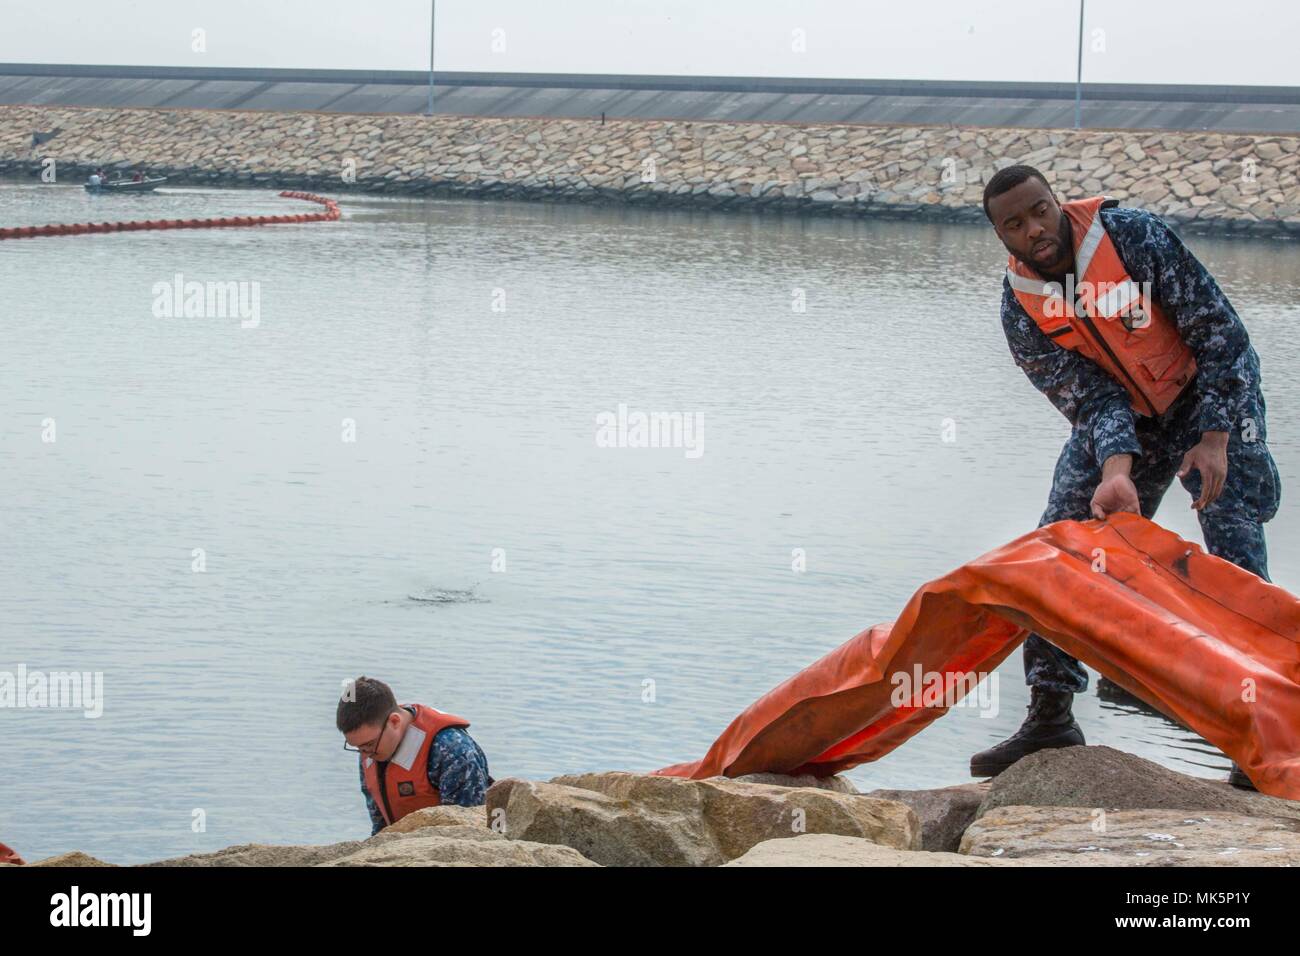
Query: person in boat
{"points": [[95, 179], [138, 177], [410, 756], [1156, 374]]}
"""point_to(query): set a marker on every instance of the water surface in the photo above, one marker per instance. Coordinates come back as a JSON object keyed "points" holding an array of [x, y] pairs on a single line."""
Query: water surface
{"points": [[472, 346]]}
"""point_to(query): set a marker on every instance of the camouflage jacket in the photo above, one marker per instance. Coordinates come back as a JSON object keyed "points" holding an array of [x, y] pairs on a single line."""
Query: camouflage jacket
{"points": [[1227, 379], [457, 767]]}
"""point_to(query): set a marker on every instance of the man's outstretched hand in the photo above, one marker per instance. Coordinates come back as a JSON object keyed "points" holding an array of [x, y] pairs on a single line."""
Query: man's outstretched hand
{"points": [[1116, 491], [1209, 456]]}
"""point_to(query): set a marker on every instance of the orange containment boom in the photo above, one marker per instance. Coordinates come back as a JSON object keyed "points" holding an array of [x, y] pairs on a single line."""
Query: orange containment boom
{"points": [[1205, 642], [330, 214]]}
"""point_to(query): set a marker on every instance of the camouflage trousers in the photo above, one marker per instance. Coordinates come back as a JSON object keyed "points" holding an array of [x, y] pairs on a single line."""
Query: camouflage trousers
{"points": [[1233, 525]]}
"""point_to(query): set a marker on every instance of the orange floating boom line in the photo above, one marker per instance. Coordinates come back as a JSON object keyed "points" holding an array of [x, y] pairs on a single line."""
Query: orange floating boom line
{"points": [[1200, 639], [331, 214]]}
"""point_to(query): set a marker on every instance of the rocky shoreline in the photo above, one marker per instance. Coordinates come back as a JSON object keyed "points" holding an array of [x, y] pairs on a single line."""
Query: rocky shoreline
{"points": [[1081, 806], [1203, 182]]}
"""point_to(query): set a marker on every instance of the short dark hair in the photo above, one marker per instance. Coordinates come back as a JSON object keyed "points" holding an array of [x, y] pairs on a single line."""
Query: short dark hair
{"points": [[364, 701], [1009, 178]]}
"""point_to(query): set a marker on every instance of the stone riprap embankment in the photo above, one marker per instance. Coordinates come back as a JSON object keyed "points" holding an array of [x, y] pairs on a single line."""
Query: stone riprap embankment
{"points": [[1202, 181], [1044, 811]]}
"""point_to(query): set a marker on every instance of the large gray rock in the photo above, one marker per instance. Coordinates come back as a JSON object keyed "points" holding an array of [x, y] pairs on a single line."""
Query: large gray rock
{"points": [[623, 819], [825, 849], [1096, 837], [444, 816], [944, 813], [1104, 777], [265, 854], [742, 813], [611, 832], [73, 858], [435, 845], [837, 783], [458, 846]]}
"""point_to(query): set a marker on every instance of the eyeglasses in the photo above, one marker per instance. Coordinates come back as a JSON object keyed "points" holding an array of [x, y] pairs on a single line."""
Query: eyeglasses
{"points": [[372, 747]]}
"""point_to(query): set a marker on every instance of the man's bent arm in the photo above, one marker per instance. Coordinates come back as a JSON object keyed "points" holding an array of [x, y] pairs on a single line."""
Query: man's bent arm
{"points": [[376, 818], [458, 768], [1226, 366]]}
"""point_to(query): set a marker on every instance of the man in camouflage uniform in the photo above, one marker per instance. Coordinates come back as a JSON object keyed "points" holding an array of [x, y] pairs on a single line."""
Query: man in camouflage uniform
{"points": [[456, 766], [1213, 438]]}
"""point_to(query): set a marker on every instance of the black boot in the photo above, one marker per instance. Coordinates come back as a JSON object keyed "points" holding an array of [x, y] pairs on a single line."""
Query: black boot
{"points": [[1049, 724], [1239, 779]]}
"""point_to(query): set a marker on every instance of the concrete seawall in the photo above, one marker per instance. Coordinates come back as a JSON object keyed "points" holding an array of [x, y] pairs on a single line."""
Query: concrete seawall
{"points": [[699, 99], [1204, 182]]}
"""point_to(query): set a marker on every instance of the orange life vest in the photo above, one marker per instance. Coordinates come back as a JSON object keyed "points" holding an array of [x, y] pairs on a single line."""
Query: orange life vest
{"points": [[1107, 316], [401, 784]]}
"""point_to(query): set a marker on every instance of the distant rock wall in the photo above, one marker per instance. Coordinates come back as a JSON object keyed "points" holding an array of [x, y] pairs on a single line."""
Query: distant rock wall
{"points": [[1202, 181]]}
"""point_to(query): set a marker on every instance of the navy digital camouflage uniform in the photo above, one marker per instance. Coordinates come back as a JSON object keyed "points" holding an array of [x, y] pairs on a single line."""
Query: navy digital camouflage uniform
{"points": [[1224, 396], [457, 767]]}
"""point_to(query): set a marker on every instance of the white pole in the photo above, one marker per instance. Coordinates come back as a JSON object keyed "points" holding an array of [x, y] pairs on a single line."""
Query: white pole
{"points": [[433, 20], [1078, 76]]}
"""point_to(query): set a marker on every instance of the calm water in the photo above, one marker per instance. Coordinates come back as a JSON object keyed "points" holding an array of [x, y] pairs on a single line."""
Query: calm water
{"points": [[474, 345]]}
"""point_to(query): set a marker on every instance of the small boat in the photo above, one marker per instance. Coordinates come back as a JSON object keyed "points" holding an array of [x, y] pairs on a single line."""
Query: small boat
{"points": [[127, 185]]}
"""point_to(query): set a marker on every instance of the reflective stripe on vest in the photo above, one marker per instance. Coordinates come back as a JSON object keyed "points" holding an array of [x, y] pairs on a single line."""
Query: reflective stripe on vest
{"points": [[1106, 316], [401, 784]]}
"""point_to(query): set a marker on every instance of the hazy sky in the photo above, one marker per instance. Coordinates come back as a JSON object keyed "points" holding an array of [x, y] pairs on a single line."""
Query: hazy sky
{"points": [[1134, 41]]}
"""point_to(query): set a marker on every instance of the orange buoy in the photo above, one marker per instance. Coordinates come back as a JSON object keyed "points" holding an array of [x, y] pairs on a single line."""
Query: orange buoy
{"points": [[331, 214]]}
